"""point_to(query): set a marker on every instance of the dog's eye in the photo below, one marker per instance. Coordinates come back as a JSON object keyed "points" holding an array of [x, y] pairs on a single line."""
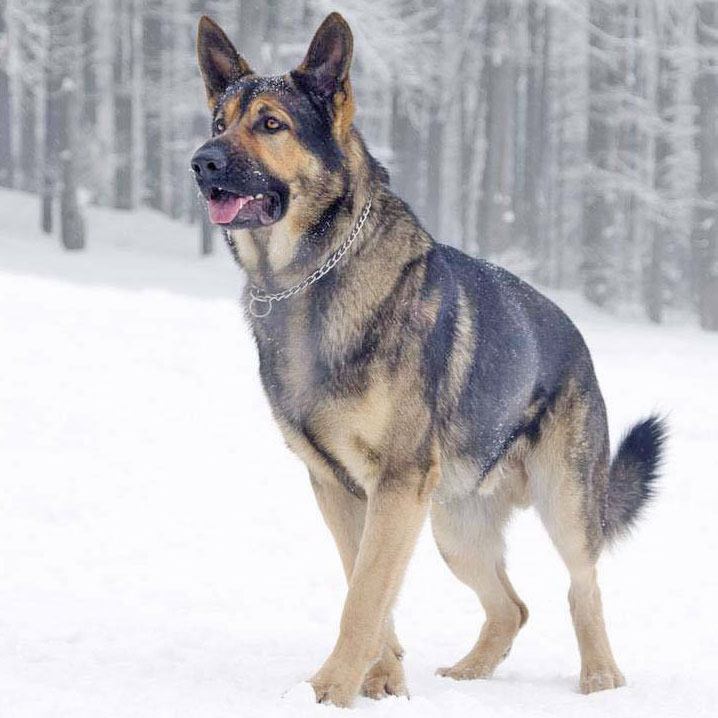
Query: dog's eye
{"points": [[272, 124], [219, 127]]}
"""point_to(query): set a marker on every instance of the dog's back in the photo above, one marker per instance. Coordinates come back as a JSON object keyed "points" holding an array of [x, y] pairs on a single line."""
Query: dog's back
{"points": [[516, 350]]}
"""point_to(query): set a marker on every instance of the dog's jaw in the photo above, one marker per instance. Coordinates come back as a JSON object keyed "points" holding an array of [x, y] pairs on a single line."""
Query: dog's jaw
{"points": [[243, 210]]}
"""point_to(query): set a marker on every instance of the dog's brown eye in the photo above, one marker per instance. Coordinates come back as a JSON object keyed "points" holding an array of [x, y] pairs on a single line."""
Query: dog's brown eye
{"points": [[272, 124], [219, 127]]}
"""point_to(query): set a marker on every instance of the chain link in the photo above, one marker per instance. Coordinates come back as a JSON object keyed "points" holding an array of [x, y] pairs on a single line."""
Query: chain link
{"points": [[259, 297]]}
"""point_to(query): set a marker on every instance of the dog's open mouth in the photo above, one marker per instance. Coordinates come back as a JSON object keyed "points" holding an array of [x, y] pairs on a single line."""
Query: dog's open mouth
{"points": [[243, 210]]}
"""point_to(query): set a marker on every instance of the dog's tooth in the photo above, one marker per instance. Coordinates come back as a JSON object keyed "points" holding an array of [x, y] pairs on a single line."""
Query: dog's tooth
{"points": [[259, 196]]}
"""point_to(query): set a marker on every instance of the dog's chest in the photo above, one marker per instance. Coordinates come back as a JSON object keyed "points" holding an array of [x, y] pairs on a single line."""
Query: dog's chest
{"points": [[288, 366], [355, 430], [337, 401], [348, 433]]}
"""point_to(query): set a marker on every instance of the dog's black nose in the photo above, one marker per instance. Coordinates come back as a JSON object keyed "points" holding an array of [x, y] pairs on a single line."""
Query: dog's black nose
{"points": [[209, 161]]}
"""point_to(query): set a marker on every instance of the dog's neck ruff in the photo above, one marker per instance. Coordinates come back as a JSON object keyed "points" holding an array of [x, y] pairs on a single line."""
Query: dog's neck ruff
{"points": [[260, 302]]}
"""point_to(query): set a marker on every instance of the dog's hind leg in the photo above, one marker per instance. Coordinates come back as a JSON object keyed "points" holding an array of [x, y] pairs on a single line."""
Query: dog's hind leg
{"points": [[344, 514], [567, 475], [469, 533]]}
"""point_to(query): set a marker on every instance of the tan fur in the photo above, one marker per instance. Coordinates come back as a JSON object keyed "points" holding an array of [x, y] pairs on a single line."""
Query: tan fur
{"points": [[558, 495], [281, 154], [229, 112], [344, 514], [281, 244], [344, 111], [353, 425], [384, 552], [462, 350], [474, 550], [247, 249]]}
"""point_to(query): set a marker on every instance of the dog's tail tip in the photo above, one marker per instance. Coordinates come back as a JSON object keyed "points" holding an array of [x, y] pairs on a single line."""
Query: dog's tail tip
{"points": [[633, 474]]}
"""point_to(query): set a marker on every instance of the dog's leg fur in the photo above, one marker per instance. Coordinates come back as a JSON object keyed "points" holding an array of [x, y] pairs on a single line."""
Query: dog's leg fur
{"points": [[598, 667], [344, 514], [562, 471], [469, 533], [394, 517]]}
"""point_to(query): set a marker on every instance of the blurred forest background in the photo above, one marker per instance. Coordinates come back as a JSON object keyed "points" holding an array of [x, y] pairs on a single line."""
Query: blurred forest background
{"points": [[574, 141]]}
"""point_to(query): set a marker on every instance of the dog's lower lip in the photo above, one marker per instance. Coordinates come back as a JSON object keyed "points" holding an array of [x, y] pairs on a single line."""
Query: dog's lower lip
{"points": [[226, 207]]}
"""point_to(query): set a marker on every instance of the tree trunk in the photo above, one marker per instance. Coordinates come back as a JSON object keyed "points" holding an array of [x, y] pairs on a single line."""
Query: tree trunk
{"points": [[6, 162], [252, 21], [532, 146], [72, 227], [206, 232], [653, 279], [498, 122], [434, 198], [599, 198], [561, 238], [89, 66], [28, 136], [176, 160], [55, 61], [123, 74], [544, 178], [468, 121], [406, 146], [705, 232], [156, 118], [518, 199]]}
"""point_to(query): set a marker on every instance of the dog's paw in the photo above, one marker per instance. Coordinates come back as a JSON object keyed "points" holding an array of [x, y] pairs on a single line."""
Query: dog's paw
{"points": [[476, 665], [339, 695], [335, 684], [466, 671], [600, 677], [385, 677]]}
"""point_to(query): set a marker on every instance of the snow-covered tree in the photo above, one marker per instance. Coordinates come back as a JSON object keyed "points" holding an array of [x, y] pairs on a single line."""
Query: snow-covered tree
{"points": [[573, 140]]}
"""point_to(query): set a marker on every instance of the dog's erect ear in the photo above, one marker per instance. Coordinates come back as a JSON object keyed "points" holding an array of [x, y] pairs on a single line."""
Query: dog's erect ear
{"points": [[219, 62], [326, 65]]}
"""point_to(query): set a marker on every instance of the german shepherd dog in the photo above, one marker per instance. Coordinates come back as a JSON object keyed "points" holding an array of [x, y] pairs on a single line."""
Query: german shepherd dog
{"points": [[409, 377]]}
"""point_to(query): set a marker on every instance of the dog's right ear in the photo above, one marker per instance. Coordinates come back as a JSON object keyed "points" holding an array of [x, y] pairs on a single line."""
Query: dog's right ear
{"points": [[219, 62], [329, 56]]}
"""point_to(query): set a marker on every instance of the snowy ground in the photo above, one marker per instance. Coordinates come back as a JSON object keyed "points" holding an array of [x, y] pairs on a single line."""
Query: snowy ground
{"points": [[160, 550]]}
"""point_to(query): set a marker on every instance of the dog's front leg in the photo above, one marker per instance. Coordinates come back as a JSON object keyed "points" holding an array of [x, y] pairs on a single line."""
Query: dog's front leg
{"points": [[344, 513], [394, 516]]}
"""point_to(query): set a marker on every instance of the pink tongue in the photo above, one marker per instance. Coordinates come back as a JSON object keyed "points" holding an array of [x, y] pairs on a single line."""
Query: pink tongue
{"points": [[223, 211]]}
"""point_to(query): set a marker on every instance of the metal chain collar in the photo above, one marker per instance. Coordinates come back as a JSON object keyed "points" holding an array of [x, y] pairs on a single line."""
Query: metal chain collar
{"points": [[258, 297]]}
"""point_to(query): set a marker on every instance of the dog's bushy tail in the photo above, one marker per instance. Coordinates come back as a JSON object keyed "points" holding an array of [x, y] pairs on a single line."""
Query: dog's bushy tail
{"points": [[631, 480]]}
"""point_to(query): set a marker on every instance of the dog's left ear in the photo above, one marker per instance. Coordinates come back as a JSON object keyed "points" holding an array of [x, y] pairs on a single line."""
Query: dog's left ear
{"points": [[326, 66], [219, 62]]}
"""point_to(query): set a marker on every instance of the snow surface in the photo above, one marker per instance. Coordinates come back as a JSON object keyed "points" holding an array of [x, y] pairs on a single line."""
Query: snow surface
{"points": [[160, 550]]}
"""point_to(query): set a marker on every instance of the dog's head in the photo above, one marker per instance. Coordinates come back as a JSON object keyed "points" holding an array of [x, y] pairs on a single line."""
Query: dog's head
{"points": [[276, 141]]}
